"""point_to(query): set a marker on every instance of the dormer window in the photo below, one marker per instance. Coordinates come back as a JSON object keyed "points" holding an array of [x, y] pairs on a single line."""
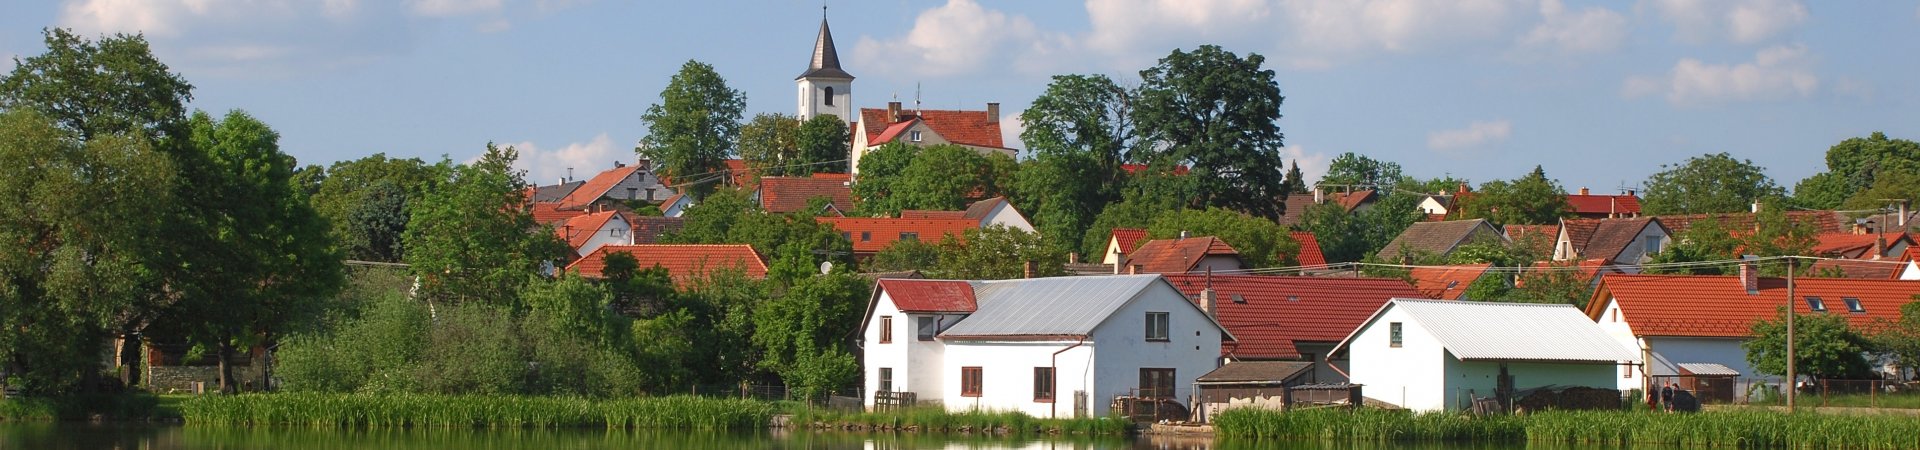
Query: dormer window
{"points": [[1815, 304], [1854, 306]]}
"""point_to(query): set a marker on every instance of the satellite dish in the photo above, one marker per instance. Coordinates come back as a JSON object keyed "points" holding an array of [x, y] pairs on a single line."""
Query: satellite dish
{"points": [[826, 267]]}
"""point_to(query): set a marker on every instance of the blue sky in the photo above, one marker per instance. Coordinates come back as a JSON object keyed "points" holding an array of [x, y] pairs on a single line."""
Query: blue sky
{"points": [[1600, 93]]}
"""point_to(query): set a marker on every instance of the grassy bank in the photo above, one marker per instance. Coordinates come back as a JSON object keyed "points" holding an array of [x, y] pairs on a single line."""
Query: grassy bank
{"points": [[1746, 429], [937, 420], [418, 410], [89, 407]]}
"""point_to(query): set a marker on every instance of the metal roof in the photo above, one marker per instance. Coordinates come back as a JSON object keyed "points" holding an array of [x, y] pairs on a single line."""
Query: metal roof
{"points": [[1060, 306], [1514, 331], [1708, 369]]}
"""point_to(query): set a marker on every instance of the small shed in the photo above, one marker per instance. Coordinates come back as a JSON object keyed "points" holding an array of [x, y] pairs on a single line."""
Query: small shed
{"points": [[1256, 384], [1711, 383]]}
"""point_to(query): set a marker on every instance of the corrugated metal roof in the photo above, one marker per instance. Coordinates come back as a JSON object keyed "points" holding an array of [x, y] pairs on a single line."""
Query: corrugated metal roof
{"points": [[1060, 306], [1708, 369], [1514, 331]]}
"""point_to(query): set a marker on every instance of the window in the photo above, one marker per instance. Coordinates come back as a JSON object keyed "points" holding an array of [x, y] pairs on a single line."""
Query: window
{"points": [[1815, 304], [909, 236], [1393, 333], [1156, 382], [886, 329], [1853, 305], [1653, 244], [886, 379], [616, 232], [1157, 326], [866, 236], [848, 235], [914, 136], [649, 194], [829, 90], [927, 329], [1043, 384], [631, 193], [1626, 371], [969, 381]]}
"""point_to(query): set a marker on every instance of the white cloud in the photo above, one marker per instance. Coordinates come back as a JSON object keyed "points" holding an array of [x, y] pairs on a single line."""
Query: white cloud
{"points": [[544, 166], [1313, 165], [1477, 134], [1010, 129], [959, 37], [450, 8], [1593, 29], [1776, 73], [1741, 21]]}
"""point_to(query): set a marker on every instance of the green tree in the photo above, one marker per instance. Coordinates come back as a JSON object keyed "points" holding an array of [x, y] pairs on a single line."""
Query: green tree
{"points": [[1854, 165], [1346, 236], [1713, 183], [804, 336], [769, 144], [905, 255], [1705, 240], [1824, 347], [1217, 113], [1563, 284], [1887, 186], [693, 128], [880, 170], [366, 201], [1296, 181], [1531, 200], [1899, 339], [1080, 131], [1360, 172], [473, 240], [1261, 242], [112, 86], [1054, 191], [997, 253], [1133, 212], [938, 177], [824, 146]]}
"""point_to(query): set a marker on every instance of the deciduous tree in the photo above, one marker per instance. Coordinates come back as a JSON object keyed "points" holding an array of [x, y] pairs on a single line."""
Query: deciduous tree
{"points": [[473, 239], [106, 87], [823, 146], [1712, 183], [1217, 113], [693, 128], [1824, 347]]}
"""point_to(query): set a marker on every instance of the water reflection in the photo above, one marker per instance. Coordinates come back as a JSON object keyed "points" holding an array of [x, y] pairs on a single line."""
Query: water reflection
{"points": [[66, 436]]}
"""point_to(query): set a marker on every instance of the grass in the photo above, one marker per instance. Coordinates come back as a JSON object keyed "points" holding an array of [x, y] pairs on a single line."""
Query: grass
{"points": [[938, 420], [1905, 400], [496, 411], [85, 407], [1744, 429]]}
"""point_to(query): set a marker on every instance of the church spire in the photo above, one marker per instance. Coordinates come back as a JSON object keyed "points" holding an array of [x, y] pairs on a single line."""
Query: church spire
{"points": [[826, 60]]}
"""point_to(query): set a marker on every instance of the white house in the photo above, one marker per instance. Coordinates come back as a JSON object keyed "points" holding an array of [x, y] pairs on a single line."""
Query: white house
{"points": [[588, 232], [1437, 355], [990, 212], [676, 205], [1620, 242], [1048, 347]]}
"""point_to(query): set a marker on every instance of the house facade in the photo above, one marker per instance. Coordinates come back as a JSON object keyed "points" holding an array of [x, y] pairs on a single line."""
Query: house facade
{"points": [[588, 232], [1433, 355], [1291, 318], [974, 129], [1047, 347], [1623, 242]]}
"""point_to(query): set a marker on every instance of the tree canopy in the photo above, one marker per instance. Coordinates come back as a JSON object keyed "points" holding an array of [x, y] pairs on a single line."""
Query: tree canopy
{"points": [[1217, 113], [1712, 183], [1856, 164], [694, 128], [473, 240], [1533, 199], [113, 85], [1824, 347]]}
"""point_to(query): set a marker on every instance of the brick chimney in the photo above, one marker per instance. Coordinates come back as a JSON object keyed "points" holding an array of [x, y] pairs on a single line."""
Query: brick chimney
{"points": [[1209, 300], [1030, 269], [1879, 247], [1583, 191], [1749, 276], [893, 112], [993, 112]]}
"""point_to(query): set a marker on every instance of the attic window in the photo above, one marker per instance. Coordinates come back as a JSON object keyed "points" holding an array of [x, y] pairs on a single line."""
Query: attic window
{"points": [[1239, 299], [1291, 298], [866, 236], [914, 136], [1854, 306], [909, 236], [1814, 303]]}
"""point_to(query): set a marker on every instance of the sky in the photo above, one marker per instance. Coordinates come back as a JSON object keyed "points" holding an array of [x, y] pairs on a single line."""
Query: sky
{"points": [[1600, 94]]}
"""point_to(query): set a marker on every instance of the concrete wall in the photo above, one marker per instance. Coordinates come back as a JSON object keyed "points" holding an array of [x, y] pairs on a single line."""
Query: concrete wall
{"points": [[1192, 348], [1412, 375]]}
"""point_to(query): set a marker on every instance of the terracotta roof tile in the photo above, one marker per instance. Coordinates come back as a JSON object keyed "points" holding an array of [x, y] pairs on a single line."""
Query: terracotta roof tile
{"points": [[1605, 238], [668, 203], [873, 234], [975, 128], [597, 187], [1352, 200], [1271, 314], [1310, 254], [930, 296], [1719, 306], [1887, 269], [1446, 282], [582, 228], [1438, 238], [927, 214], [550, 213], [1167, 256], [1604, 204], [790, 194], [650, 229], [1822, 221], [1129, 238], [1541, 237], [684, 263], [1853, 245]]}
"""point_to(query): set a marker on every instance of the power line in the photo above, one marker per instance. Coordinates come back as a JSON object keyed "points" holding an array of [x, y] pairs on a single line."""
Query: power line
{"points": [[1535, 269]]}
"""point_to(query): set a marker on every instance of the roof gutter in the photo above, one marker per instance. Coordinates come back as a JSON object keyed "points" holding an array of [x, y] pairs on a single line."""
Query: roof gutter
{"points": [[1053, 367]]}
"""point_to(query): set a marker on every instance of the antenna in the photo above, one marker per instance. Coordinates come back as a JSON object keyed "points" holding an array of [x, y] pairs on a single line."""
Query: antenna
{"points": [[916, 99]]}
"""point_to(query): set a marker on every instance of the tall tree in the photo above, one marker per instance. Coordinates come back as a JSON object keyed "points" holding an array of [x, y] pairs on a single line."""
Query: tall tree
{"points": [[1531, 200], [1356, 171], [693, 128], [111, 86], [1217, 113], [1856, 164], [1712, 183], [1080, 131], [998, 252], [769, 143], [366, 201], [1296, 181], [803, 335], [1824, 347], [878, 171], [1260, 242], [473, 240], [823, 146], [938, 177], [1347, 236]]}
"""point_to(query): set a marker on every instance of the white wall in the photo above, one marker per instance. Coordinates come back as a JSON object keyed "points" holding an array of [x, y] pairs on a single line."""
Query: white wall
{"points": [[1006, 373], [1004, 214], [1613, 321], [1113, 254], [917, 365], [1192, 348], [1411, 376], [1638, 248], [615, 232], [812, 98], [1480, 378], [1430, 205], [1218, 264]]}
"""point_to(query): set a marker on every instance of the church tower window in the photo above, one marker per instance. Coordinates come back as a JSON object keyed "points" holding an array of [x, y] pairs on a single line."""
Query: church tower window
{"points": [[829, 95]]}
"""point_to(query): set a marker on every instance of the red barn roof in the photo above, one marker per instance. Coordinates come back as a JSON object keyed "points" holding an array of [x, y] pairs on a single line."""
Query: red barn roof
{"points": [[789, 194], [1271, 314], [1446, 282], [975, 128], [873, 234], [1309, 249], [1719, 306], [930, 296], [684, 263]]}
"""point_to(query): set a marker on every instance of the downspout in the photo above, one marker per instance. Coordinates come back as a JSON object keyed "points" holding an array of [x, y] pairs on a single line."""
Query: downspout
{"points": [[1053, 410]]}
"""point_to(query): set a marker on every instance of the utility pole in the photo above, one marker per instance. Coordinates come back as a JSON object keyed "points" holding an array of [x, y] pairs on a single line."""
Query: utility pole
{"points": [[1793, 387]]}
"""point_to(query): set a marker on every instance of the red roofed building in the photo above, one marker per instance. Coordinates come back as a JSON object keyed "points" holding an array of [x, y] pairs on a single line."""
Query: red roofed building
{"points": [[623, 182], [978, 130], [790, 194], [1861, 246], [931, 296], [550, 213], [870, 235], [1684, 321], [1122, 244], [1446, 282], [1184, 255], [588, 232], [1309, 249], [686, 264], [1292, 318], [990, 212], [1587, 206]]}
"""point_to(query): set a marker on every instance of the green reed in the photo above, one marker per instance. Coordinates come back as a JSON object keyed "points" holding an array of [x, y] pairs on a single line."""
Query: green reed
{"points": [[428, 410], [1738, 428]]}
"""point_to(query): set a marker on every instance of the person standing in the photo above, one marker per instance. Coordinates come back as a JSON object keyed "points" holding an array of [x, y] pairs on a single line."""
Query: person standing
{"points": [[1666, 396]]}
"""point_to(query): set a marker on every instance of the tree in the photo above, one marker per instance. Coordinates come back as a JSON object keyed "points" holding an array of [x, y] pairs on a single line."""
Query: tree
{"points": [[803, 336], [1899, 339], [1080, 131], [1887, 187], [823, 146], [997, 253], [1296, 181], [1531, 200], [1217, 113], [366, 201], [905, 255], [1712, 183], [113, 86], [1562, 283], [769, 144], [1351, 236], [473, 240], [1360, 172], [939, 177], [1133, 212], [1705, 240], [1824, 347], [879, 169], [1260, 242], [1854, 165], [693, 128], [72, 277]]}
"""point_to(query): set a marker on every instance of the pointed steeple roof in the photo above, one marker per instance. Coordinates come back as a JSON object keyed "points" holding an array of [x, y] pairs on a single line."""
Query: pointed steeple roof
{"points": [[826, 61]]}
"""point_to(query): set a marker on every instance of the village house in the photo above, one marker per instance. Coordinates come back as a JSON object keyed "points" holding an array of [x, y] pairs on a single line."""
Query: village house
{"points": [[685, 264], [1622, 242], [1586, 205], [588, 232], [675, 205], [1679, 320], [871, 235], [781, 195], [1903, 268], [1861, 245], [1184, 255], [1447, 282], [1439, 238], [1047, 347], [977, 130], [1121, 243], [1310, 254], [1435, 355], [1286, 318], [622, 182], [990, 212]]}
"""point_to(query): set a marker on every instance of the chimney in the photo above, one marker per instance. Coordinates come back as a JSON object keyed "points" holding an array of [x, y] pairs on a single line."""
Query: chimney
{"points": [[893, 112], [1030, 269], [1073, 257], [1749, 277], [1756, 206], [1133, 269], [1583, 190], [1183, 234], [1319, 196], [1879, 247], [617, 164], [1209, 300], [563, 180], [1631, 193], [1463, 187], [993, 112]]}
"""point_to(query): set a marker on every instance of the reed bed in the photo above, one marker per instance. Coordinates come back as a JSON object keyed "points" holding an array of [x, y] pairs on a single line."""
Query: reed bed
{"points": [[937, 420], [1740, 429], [82, 407], [425, 410]]}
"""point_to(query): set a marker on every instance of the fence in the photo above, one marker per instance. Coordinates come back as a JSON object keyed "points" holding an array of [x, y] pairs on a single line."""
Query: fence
{"points": [[1770, 391], [1148, 405]]}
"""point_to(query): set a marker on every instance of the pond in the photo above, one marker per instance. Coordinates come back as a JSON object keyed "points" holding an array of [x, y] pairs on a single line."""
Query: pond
{"points": [[82, 436]]}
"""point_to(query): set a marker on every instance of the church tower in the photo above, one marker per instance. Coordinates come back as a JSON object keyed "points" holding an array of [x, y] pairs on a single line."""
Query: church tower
{"points": [[824, 88]]}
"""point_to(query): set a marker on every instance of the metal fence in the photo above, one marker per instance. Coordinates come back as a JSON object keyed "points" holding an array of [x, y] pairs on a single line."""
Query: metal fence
{"points": [[1772, 391]]}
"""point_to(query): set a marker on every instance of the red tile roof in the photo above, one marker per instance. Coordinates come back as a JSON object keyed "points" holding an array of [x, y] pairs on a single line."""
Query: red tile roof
{"points": [[1310, 254], [684, 263], [873, 234], [650, 229], [790, 194], [668, 203], [580, 229], [1886, 269], [1587, 268], [930, 296], [975, 128], [1272, 313], [1540, 237], [550, 213], [1822, 221], [926, 214], [1604, 204], [1166, 256], [1352, 200], [1719, 306], [1129, 238], [597, 187], [1446, 282], [1853, 245]]}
